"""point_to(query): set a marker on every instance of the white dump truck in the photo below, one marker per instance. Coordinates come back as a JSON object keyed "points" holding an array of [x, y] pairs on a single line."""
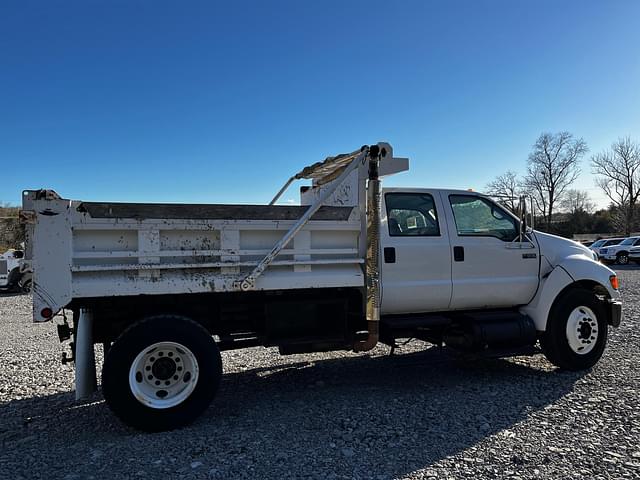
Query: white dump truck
{"points": [[166, 287]]}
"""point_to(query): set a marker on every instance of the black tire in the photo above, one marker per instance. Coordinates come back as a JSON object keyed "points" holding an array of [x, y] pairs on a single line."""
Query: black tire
{"points": [[25, 283], [622, 258], [135, 340], [26, 287], [13, 280], [554, 341]]}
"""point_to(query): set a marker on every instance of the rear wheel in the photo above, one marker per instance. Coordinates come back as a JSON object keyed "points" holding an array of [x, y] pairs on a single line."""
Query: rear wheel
{"points": [[161, 373], [576, 332]]}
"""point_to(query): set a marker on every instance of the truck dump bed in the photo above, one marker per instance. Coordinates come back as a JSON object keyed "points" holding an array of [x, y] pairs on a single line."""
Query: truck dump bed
{"points": [[90, 249], [84, 249]]}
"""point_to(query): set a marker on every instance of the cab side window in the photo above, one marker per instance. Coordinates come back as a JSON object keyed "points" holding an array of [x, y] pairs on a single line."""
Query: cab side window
{"points": [[478, 217], [411, 214]]}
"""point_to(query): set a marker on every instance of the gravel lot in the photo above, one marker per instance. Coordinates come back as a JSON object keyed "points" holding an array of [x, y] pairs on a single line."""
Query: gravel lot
{"points": [[419, 414]]}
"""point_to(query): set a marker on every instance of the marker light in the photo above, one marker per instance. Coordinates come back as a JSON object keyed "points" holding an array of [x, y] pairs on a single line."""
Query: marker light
{"points": [[613, 279], [46, 312]]}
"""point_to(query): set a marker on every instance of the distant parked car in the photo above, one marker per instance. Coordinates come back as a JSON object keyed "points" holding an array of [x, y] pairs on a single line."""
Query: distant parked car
{"points": [[604, 242], [11, 276], [597, 244], [634, 254], [619, 253]]}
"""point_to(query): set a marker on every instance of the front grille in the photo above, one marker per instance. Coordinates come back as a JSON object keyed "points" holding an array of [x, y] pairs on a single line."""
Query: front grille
{"points": [[3, 267]]}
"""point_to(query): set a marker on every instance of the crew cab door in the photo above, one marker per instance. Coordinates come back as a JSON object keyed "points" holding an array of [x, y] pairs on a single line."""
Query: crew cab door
{"points": [[490, 266], [416, 255]]}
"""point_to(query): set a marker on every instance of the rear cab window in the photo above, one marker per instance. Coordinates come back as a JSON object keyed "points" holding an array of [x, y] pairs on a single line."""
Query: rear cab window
{"points": [[411, 214]]}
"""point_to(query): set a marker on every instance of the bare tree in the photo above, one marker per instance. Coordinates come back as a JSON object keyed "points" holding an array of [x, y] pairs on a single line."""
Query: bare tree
{"points": [[618, 219], [507, 188], [535, 189], [576, 201], [552, 166], [618, 171]]}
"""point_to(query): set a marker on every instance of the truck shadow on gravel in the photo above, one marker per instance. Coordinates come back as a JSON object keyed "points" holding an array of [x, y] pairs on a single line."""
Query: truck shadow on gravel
{"points": [[353, 417], [9, 293], [631, 267]]}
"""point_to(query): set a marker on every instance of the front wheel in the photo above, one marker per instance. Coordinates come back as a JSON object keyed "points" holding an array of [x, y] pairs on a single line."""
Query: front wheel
{"points": [[576, 331], [161, 373]]}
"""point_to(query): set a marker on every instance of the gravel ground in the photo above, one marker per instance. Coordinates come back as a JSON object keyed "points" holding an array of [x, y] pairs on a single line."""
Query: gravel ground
{"points": [[421, 413]]}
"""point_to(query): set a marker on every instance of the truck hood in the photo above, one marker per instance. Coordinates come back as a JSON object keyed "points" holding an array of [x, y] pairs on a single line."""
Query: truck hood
{"points": [[555, 249]]}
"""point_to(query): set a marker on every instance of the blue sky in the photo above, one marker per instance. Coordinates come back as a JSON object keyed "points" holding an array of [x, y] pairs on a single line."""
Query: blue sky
{"points": [[221, 102]]}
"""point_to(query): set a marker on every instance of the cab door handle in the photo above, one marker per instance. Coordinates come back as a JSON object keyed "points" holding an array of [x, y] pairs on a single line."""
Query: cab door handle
{"points": [[458, 254], [389, 255]]}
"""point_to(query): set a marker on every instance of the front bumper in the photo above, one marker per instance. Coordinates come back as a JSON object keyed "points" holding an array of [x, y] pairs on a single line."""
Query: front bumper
{"points": [[615, 312]]}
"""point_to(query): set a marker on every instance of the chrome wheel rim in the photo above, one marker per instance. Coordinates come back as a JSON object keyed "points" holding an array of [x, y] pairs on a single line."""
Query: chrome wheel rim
{"points": [[582, 330], [163, 375]]}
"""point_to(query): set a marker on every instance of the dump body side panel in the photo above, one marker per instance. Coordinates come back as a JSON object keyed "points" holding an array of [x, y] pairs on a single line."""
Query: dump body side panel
{"points": [[83, 250]]}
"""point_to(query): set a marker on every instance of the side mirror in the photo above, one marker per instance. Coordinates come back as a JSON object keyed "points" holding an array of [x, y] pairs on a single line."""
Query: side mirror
{"points": [[497, 214], [523, 217]]}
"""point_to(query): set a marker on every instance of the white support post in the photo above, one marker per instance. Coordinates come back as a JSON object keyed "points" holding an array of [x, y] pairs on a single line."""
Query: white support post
{"points": [[149, 247], [230, 241], [85, 355], [302, 241]]}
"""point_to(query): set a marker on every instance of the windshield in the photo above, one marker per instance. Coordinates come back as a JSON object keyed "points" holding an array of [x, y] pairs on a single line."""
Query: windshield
{"points": [[598, 243], [628, 241]]}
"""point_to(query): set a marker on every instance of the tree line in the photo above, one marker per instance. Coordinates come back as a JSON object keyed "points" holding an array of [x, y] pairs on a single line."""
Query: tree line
{"points": [[554, 164]]}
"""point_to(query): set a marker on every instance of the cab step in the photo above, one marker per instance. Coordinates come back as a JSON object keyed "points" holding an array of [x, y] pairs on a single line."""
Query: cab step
{"points": [[411, 326], [497, 330]]}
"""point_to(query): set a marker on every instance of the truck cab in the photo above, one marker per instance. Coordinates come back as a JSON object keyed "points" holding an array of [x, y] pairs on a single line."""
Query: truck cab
{"points": [[448, 251], [453, 250]]}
